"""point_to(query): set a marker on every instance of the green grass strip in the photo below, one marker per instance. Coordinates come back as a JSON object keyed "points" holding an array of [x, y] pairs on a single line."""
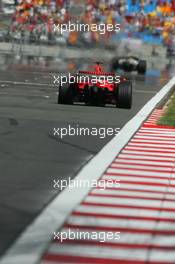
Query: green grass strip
{"points": [[168, 119]]}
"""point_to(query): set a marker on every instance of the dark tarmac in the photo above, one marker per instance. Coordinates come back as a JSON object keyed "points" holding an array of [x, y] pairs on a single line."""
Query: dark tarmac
{"points": [[31, 157]]}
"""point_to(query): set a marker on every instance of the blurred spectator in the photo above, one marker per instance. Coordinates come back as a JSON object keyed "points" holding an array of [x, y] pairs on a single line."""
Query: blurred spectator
{"points": [[150, 20]]}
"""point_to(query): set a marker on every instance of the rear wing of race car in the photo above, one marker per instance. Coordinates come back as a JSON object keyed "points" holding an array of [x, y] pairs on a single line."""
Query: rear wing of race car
{"points": [[88, 76], [92, 77], [96, 73]]}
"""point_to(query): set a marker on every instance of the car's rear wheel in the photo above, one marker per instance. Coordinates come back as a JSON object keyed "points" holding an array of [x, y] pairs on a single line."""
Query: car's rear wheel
{"points": [[65, 94], [141, 68], [124, 95]]}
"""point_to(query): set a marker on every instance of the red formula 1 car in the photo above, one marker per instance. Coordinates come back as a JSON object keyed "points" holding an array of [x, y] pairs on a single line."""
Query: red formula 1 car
{"points": [[96, 87]]}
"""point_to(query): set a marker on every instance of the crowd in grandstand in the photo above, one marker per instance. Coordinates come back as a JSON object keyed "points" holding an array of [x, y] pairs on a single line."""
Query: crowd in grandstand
{"points": [[150, 20]]}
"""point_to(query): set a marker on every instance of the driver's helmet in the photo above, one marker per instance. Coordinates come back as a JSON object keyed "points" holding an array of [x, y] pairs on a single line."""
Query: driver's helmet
{"points": [[98, 67]]}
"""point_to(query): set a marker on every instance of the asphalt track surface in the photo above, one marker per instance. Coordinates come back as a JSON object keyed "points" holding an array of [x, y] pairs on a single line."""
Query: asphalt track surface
{"points": [[31, 157]]}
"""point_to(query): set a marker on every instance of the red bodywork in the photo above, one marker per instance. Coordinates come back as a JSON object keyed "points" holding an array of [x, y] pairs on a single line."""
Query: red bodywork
{"points": [[108, 87], [105, 83], [97, 88]]}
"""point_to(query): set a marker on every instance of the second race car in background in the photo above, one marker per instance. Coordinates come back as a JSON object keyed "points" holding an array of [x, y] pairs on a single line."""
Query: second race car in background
{"points": [[128, 64]]}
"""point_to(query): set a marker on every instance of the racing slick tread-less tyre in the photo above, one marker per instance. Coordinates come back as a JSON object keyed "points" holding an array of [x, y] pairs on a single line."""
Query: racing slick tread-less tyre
{"points": [[124, 95], [65, 94], [141, 68]]}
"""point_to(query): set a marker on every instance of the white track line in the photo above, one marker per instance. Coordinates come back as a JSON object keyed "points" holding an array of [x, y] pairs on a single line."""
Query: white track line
{"points": [[138, 172], [131, 193], [145, 157], [143, 162], [143, 137], [106, 222], [116, 201], [172, 142], [150, 153], [141, 166], [120, 211], [145, 144], [105, 252]]}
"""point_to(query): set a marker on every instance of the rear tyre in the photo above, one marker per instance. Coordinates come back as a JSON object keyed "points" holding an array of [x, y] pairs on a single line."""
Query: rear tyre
{"points": [[141, 68], [65, 94], [124, 95]]}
